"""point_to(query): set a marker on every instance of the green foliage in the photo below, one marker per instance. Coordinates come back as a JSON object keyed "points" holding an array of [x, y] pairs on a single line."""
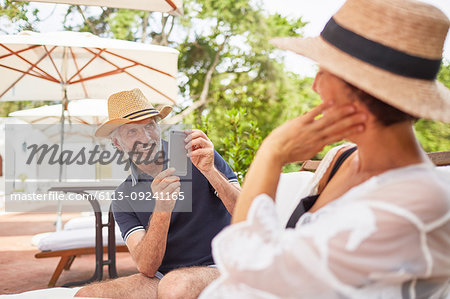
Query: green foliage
{"points": [[96, 24], [19, 14], [292, 167], [444, 74], [8, 107], [434, 136], [239, 139], [124, 23]]}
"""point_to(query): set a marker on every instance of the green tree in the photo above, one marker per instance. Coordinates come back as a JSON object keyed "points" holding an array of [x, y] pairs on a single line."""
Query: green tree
{"points": [[19, 14], [7, 107], [228, 69], [434, 136]]}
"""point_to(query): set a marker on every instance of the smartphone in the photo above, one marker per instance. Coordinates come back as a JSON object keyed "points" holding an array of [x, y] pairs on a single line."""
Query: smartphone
{"points": [[177, 152]]}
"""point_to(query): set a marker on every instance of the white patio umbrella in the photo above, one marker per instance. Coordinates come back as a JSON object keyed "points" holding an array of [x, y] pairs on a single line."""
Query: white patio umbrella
{"points": [[174, 7], [91, 112], [85, 111], [75, 65]]}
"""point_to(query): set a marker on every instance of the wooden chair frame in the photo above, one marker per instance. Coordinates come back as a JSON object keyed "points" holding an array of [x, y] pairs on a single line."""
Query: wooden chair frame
{"points": [[67, 258], [438, 158]]}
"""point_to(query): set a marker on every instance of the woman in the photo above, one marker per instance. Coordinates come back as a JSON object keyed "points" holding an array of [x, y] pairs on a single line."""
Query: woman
{"points": [[377, 221]]}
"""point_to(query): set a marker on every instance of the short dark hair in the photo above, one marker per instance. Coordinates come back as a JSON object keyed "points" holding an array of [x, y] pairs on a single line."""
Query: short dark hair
{"points": [[385, 113]]}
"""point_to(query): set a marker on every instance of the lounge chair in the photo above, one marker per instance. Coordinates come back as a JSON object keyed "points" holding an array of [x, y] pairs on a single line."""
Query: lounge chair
{"points": [[77, 238]]}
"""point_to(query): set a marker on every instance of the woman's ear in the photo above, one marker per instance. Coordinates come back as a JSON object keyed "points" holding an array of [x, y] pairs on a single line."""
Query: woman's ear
{"points": [[360, 106], [355, 97]]}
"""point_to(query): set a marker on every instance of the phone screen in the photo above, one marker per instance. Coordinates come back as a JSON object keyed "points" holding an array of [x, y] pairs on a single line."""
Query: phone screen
{"points": [[177, 152]]}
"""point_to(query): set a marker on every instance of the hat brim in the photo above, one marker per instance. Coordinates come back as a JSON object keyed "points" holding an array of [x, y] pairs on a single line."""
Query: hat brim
{"points": [[109, 126], [421, 98]]}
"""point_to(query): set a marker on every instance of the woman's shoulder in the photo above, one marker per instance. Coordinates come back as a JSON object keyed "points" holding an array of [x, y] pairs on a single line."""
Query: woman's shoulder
{"points": [[324, 169], [421, 189]]}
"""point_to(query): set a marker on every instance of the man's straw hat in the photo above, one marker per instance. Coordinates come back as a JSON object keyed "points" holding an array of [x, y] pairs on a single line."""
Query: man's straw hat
{"points": [[128, 106], [389, 48]]}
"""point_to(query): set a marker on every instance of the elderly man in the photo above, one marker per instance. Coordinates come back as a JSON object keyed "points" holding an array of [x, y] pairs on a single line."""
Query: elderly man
{"points": [[171, 248]]}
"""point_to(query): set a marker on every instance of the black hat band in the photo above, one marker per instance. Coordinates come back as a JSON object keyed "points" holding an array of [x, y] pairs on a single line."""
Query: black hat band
{"points": [[379, 55]]}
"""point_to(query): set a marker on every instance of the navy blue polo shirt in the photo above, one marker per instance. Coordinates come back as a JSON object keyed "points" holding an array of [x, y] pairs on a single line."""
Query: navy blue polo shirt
{"points": [[190, 233]]}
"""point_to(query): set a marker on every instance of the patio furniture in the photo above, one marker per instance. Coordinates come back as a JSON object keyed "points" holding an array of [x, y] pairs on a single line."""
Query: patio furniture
{"points": [[77, 238], [101, 245], [60, 293], [67, 258]]}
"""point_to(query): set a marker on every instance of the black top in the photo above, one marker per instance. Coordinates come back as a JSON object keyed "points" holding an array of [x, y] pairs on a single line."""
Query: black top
{"points": [[191, 227], [306, 203]]}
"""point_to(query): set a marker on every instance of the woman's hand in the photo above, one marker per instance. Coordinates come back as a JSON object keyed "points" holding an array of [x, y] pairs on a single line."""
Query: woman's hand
{"points": [[301, 138], [296, 140]]}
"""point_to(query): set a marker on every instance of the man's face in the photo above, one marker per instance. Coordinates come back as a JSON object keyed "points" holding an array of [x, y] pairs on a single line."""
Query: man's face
{"points": [[141, 137]]}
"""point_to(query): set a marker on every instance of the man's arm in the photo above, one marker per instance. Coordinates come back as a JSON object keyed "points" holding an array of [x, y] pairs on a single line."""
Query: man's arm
{"points": [[201, 151], [226, 191], [148, 248]]}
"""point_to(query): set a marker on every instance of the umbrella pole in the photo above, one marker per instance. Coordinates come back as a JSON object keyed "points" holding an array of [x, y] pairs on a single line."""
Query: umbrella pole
{"points": [[64, 104], [59, 211]]}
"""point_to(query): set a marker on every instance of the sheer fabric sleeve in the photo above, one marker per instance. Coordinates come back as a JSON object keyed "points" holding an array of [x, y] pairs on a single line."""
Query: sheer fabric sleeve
{"points": [[348, 249]]}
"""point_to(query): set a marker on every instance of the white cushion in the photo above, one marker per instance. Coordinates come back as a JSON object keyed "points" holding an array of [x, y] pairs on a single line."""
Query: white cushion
{"points": [[53, 293], [83, 222], [77, 238], [37, 238], [445, 170], [292, 187]]}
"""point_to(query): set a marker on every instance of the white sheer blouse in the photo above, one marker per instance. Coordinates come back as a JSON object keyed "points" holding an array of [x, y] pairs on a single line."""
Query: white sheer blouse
{"points": [[386, 238]]}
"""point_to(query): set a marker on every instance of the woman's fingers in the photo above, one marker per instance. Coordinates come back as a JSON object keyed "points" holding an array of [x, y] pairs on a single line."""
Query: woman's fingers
{"points": [[344, 124], [316, 111], [333, 115], [335, 137]]}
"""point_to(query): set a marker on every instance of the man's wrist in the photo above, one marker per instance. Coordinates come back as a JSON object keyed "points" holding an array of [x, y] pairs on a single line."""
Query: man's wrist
{"points": [[160, 214], [211, 172]]}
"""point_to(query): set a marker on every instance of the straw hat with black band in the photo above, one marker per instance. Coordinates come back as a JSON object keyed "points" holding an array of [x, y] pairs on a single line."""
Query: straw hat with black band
{"points": [[391, 49], [126, 107]]}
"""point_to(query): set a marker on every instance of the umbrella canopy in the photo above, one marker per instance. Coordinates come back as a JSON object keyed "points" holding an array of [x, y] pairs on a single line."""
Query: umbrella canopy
{"points": [[77, 65], [86, 111], [85, 114], [174, 7]]}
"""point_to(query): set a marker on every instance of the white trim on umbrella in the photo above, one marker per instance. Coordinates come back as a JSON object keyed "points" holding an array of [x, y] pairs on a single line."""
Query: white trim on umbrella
{"points": [[174, 7]]}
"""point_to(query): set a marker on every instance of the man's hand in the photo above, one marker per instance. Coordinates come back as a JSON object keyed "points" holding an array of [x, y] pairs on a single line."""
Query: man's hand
{"points": [[165, 188], [200, 150]]}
